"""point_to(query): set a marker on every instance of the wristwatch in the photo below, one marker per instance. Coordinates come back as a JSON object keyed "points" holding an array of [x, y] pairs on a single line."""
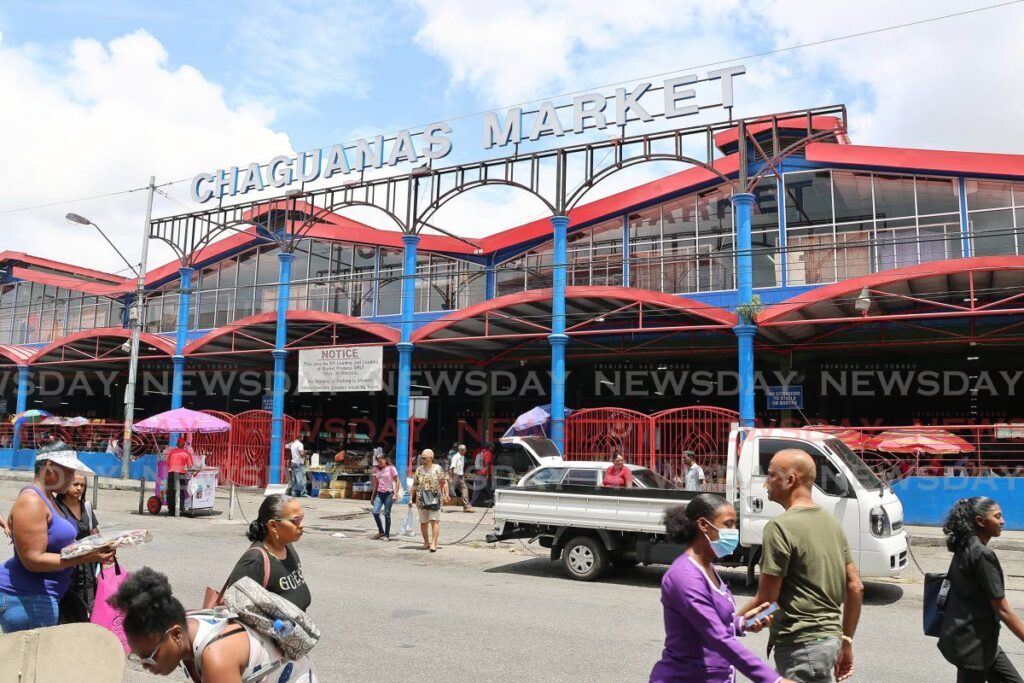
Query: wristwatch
{"points": [[846, 638]]}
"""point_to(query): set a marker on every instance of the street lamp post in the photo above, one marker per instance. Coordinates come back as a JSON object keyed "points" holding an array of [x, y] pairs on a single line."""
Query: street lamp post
{"points": [[136, 318]]}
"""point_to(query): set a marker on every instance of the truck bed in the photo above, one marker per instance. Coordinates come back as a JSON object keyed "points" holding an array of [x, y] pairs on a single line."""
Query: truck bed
{"points": [[588, 507]]}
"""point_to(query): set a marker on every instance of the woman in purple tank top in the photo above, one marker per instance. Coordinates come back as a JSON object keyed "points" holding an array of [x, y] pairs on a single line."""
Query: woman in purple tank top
{"points": [[34, 580]]}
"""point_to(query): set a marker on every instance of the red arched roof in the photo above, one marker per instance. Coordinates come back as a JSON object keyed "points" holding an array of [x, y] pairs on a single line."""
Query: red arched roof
{"points": [[848, 289], [101, 344], [18, 355], [256, 332], [706, 312]]}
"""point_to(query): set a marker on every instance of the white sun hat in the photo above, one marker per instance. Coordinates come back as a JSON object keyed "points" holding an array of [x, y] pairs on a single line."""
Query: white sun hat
{"points": [[62, 454]]}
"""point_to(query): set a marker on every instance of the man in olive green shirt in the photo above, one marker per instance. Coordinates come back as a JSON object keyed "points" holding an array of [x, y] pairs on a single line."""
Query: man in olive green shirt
{"points": [[807, 568]]}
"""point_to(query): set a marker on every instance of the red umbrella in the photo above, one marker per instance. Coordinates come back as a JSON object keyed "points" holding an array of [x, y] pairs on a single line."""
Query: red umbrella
{"points": [[855, 439], [923, 441]]}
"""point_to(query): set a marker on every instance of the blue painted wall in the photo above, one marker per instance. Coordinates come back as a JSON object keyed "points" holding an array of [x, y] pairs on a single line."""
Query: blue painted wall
{"points": [[104, 464], [927, 500]]}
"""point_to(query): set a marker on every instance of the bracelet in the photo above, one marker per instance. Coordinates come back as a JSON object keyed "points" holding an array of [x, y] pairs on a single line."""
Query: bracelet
{"points": [[846, 638]]}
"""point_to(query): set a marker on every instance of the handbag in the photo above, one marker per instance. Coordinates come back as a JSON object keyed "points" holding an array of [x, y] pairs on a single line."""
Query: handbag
{"points": [[429, 500], [936, 595], [105, 615], [213, 598]]}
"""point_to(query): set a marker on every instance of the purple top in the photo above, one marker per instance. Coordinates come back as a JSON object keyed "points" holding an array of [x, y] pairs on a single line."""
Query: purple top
{"points": [[701, 626], [15, 579]]}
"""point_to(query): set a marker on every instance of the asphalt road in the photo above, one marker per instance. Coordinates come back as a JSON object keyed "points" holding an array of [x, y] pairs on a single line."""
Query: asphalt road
{"points": [[469, 612]]}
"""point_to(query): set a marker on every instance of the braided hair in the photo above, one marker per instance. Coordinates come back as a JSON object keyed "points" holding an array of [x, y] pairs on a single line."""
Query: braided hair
{"points": [[148, 604], [271, 508], [681, 520], [960, 524]]}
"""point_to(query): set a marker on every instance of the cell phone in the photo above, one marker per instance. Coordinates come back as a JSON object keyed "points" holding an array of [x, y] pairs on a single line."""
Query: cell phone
{"points": [[767, 611]]}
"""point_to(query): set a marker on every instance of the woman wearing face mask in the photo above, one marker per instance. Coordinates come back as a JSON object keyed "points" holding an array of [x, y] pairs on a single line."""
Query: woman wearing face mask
{"points": [[701, 625]]}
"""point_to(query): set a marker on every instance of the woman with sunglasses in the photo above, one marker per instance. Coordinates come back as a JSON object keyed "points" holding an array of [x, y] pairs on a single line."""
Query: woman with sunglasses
{"points": [[163, 639], [271, 560]]}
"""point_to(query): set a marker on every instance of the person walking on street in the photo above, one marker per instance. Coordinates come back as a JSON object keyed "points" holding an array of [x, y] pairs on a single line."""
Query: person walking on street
{"points": [[298, 467], [701, 625], [807, 568], [271, 560], [76, 607], [385, 490], [693, 480], [457, 472], [483, 466], [35, 579], [977, 598], [429, 488], [178, 460]]}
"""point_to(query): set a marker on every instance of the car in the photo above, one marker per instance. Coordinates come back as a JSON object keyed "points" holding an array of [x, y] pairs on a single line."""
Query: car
{"points": [[589, 473]]}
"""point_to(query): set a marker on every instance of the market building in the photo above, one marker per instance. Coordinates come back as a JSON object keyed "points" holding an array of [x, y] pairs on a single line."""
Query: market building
{"points": [[874, 284]]}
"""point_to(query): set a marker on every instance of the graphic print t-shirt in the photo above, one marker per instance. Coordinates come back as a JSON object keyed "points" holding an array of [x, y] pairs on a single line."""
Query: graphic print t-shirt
{"points": [[286, 577]]}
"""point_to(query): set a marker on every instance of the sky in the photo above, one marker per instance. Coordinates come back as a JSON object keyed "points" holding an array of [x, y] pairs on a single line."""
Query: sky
{"points": [[99, 96]]}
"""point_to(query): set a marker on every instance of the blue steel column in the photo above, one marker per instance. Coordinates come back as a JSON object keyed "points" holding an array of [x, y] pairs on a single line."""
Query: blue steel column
{"points": [[965, 225], [625, 250], [490, 282], [405, 346], [743, 202], [181, 338], [558, 338], [279, 353], [23, 373]]}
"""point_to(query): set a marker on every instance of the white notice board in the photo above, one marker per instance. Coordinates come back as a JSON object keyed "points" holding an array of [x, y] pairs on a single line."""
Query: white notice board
{"points": [[341, 368]]}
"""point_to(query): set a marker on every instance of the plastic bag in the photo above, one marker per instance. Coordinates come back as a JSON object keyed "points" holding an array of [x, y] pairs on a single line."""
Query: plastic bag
{"points": [[107, 583], [408, 527], [106, 539]]}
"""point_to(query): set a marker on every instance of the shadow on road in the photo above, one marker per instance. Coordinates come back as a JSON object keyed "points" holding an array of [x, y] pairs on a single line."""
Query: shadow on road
{"points": [[544, 568]]}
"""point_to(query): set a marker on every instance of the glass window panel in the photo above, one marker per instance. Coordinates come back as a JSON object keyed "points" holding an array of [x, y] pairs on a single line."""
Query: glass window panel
{"points": [[993, 232], [300, 266], [579, 253], [509, 277], [765, 257], [852, 195], [717, 264], [680, 218], [153, 313], [266, 299], [341, 256], [680, 266], [808, 199], [896, 243], [937, 195], [104, 316], [765, 212], [714, 213], [89, 314], [389, 298], [169, 312], [810, 259], [539, 268], [267, 268], [443, 287], [391, 258], [894, 196], [940, 237], [320, 260], [364, 258], [645, 225], [207, 310], [225, 306], [208, 278], [246, 269], [853, 250], [645, 264], [988, 194]]}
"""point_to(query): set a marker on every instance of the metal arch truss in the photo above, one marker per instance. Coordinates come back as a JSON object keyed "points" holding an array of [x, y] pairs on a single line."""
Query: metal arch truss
{"points": [[559, 178]]}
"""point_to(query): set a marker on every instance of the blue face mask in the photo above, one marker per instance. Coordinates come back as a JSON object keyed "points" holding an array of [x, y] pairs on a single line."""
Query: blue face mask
{"points": [[726, 542]]}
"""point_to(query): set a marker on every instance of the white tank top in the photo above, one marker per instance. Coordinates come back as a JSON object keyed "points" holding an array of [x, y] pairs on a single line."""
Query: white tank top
{"points": [[266, 662]]}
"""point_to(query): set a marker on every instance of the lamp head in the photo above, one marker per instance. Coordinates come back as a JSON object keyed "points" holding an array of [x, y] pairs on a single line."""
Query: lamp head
{"points": [[75, 218]]}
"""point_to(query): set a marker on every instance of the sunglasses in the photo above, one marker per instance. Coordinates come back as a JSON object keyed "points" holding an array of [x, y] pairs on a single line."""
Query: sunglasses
{"points": [[151, 659], [296, 520]]}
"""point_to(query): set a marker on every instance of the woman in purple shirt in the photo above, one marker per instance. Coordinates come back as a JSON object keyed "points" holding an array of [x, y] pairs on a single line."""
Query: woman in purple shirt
{"points": [[701, 625]]}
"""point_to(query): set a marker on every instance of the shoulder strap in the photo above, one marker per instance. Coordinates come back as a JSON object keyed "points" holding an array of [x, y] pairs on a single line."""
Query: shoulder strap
{"points": [[266, 565], [212, 636]]}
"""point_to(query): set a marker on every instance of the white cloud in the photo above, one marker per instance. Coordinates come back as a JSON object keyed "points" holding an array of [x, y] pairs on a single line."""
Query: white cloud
{"points": [[102, 119]]}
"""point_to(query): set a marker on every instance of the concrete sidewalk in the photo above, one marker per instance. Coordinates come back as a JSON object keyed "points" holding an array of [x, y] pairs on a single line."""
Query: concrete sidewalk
{"points": [[932, 536]]}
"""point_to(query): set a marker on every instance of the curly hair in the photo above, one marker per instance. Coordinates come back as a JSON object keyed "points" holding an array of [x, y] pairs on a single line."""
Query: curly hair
{"points": [[960, 524], [148, 604], [681, 520], [271, 508]]}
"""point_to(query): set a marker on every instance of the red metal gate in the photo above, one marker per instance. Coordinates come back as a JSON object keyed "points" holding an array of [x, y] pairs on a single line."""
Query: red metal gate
{"points": [[242, 454], [217, 446], [594, 433], [704, 430]]}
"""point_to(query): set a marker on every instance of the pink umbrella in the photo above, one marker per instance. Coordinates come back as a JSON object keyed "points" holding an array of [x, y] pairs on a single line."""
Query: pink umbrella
{"points": [[181, 420]]}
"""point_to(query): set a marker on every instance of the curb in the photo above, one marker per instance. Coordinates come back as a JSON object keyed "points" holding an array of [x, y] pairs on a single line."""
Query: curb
{"points": [[106, 483], [940, 542]]}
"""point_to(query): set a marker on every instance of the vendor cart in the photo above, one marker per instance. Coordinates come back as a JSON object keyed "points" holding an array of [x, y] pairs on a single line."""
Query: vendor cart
{"points": [[200, 483]]}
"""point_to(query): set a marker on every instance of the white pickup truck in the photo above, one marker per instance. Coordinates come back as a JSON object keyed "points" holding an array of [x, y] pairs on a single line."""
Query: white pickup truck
{"points": [[589, 527]]}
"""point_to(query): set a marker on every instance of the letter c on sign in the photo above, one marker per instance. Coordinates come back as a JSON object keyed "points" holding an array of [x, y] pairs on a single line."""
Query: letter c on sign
{"points": [[201, 195]]}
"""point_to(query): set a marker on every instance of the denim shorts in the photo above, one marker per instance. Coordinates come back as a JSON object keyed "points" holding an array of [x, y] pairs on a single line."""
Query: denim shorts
{"points": [[24, 612]]}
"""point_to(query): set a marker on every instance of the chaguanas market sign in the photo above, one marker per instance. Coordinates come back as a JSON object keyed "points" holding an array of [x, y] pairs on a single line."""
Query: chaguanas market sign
{"points": [[586, 112]]}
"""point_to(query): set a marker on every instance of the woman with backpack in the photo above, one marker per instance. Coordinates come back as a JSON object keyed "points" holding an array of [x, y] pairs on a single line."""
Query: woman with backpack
{"points": [[210, 649], [76, 606], [271, 561], [977, 597]]}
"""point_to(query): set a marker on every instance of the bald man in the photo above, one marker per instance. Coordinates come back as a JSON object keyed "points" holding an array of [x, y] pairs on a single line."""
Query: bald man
{"points": [[807, 568]]}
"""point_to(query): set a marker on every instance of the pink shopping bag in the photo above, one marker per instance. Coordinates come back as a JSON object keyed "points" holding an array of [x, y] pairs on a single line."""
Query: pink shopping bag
{"points": [[103, 614]]}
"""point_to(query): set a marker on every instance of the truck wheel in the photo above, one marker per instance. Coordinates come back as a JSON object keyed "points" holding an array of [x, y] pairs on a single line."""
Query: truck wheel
{"points": [[584, 558]]}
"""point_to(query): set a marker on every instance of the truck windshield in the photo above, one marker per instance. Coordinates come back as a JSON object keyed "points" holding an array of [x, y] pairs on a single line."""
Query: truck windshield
{"points": [[858, 467]]}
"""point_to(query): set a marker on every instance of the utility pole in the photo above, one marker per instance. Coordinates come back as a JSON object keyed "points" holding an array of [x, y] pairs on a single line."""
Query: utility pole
{"points": [[136, 318]]}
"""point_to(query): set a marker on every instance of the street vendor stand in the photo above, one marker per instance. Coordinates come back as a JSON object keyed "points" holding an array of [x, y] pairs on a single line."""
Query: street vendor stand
{"points": [[200, 485]]}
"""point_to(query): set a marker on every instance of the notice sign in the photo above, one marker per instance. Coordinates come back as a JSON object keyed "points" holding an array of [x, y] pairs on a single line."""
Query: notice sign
{"points": [[786, 398], [341, 368]]}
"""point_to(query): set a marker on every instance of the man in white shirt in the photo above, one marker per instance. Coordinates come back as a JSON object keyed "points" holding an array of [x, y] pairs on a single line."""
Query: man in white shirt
{"points": [[298, 487], [457, 471], [694, 478]]}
